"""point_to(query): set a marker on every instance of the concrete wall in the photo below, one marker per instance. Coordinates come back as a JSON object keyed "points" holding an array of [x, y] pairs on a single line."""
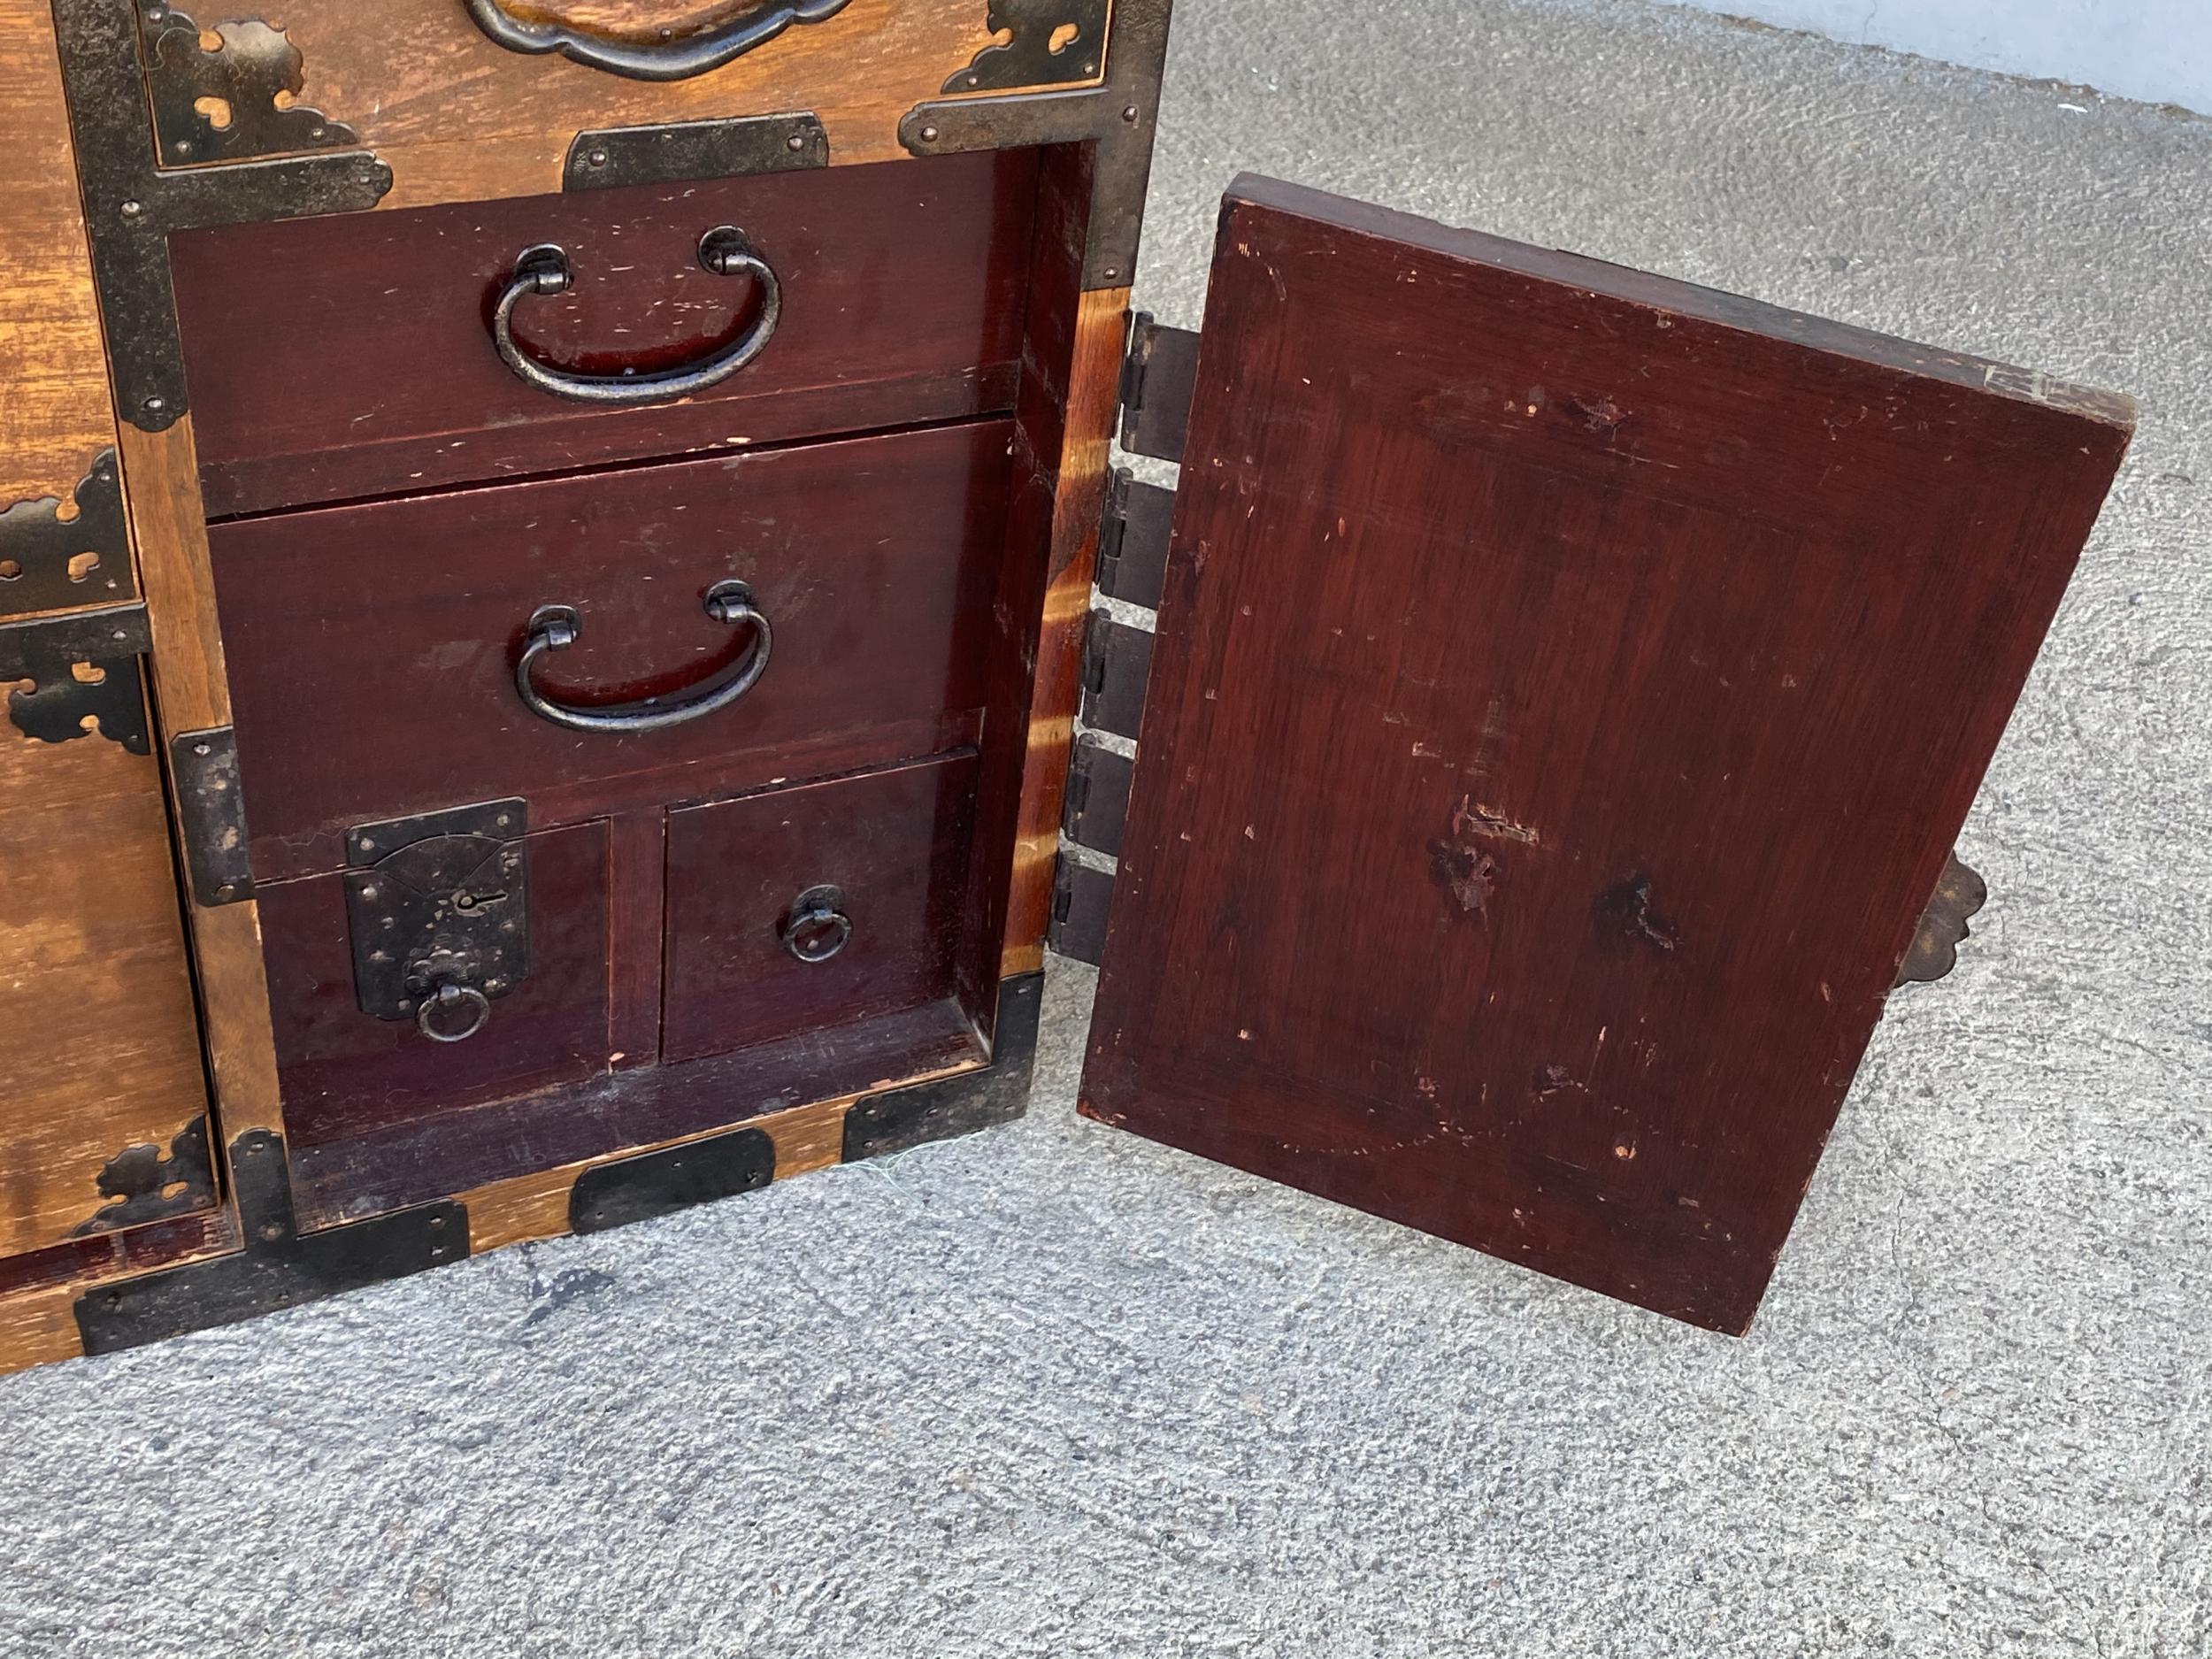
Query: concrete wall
{"points": [[2157, 50]]}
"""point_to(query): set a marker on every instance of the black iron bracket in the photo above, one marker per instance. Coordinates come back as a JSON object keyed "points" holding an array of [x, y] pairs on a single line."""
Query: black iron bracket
{"points": [[84, 666], [1120, 116], [1048, 42], [232, 102], [211, 815], [49, 561], [662, 1182], [133, 203], [671, 57], [688, 151], [141, 1184], [278, 1267], [938, 1111]]}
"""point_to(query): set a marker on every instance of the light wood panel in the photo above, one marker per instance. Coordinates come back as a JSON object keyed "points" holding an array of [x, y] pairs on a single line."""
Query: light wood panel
{"points": [[459, 118], [99, 1048], [54, 412]]}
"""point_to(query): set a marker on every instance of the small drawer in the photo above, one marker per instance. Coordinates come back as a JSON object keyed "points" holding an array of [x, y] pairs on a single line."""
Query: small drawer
{"points": [[354, 355], [374, 650], [801, 908], [348, 1074]]}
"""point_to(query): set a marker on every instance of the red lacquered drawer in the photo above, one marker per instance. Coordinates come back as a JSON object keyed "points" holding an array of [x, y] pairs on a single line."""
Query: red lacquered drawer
{"points": [[373, 651], [805, 908], [341, 358]]}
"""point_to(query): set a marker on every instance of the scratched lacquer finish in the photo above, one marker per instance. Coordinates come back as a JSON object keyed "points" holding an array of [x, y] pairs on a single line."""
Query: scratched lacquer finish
{"points": [[1569, 688]]}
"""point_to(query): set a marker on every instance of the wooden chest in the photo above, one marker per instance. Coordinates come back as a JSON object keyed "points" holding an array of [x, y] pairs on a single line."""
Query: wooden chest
{"points": [[550, 602]]}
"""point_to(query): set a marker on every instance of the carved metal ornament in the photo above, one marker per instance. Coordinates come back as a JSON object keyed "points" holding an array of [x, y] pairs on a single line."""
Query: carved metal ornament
{"points": [[232, 101], [674, 57], [48, 563], [142, 1186], [1117, 116], [278, 1265], [133, 203], [1050, 43], [83, 667]]}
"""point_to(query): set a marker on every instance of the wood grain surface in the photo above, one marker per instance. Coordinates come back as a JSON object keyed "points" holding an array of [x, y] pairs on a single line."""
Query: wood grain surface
{"points": [[1569, 689], [461, 118], [99, 1040], [54, 414]]}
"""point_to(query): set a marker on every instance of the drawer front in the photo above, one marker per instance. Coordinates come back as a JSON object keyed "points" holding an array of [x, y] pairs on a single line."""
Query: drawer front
{"points": [[347, 1074], [373, 650], [801, 908], [351, 356]]}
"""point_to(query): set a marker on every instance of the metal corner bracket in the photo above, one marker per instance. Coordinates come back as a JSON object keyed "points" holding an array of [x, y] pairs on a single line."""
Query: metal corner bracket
{"points": [[1118, 115], [132, 204]]}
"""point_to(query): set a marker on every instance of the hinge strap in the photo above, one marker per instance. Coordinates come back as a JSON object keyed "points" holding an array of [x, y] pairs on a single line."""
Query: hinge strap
{"points": [[1132, 540], [1157, 379]]}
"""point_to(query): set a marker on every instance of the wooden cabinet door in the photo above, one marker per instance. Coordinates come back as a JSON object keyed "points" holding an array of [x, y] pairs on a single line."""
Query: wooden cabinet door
{"points": [[1568, 685]]}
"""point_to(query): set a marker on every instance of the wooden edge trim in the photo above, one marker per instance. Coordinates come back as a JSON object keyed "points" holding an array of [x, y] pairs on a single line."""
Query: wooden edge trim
{"points": [[161, 486], [1094, 406]]}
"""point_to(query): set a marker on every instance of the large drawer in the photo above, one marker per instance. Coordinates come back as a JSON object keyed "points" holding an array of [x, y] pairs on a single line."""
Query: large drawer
{"points": [[341, 358], [373, 650]]}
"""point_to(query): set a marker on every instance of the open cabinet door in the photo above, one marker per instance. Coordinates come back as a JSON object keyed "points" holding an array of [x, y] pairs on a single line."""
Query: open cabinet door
{"points": [[1568, 687]]}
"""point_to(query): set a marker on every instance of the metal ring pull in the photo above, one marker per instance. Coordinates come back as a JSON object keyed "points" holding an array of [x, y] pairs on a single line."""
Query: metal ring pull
{"points": [[675, 60], [818, 928], [557, 628], [547, 269], [444, 1000]]}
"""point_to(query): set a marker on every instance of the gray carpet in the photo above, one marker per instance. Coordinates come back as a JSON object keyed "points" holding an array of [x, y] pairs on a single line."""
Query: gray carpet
{"points": [[1055, 1391]]}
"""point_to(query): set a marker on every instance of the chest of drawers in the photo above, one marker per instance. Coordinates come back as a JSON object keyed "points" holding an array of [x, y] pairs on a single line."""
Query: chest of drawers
{"points": [[551, 598]]}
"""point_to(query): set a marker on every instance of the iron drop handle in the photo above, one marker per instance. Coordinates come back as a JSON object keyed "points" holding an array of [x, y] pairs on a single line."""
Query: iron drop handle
{"points": [[547, 269], [818, 928], [668, 60], [557, 628]]}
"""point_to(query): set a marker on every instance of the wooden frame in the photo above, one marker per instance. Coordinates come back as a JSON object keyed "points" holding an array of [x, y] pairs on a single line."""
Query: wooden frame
{"points": [[467, 122]]}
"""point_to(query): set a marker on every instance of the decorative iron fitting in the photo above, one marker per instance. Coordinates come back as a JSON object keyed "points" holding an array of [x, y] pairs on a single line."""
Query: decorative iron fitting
{"points": [[84, 670], [228, 92], [278, 1267], [50, 563], [1050, 43], [1117, 116], [133, 203], [673, 56]]}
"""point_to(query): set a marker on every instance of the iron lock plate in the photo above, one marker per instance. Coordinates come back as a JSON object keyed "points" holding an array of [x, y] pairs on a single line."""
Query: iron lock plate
{"points": [[438, 911]]}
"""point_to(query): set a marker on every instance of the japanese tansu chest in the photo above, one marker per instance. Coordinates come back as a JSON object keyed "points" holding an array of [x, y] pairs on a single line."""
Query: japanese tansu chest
{"points": [[556, 676]]}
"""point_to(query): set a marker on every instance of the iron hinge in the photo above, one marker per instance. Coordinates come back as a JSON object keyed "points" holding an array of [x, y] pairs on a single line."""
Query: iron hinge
{"points": [[1132, 540], [1082, 893], [1158, 378], [1117, 666]]}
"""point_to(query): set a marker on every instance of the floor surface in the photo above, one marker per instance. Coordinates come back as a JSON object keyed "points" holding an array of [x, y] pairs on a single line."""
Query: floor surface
{"points": [[1055, 1391]]}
